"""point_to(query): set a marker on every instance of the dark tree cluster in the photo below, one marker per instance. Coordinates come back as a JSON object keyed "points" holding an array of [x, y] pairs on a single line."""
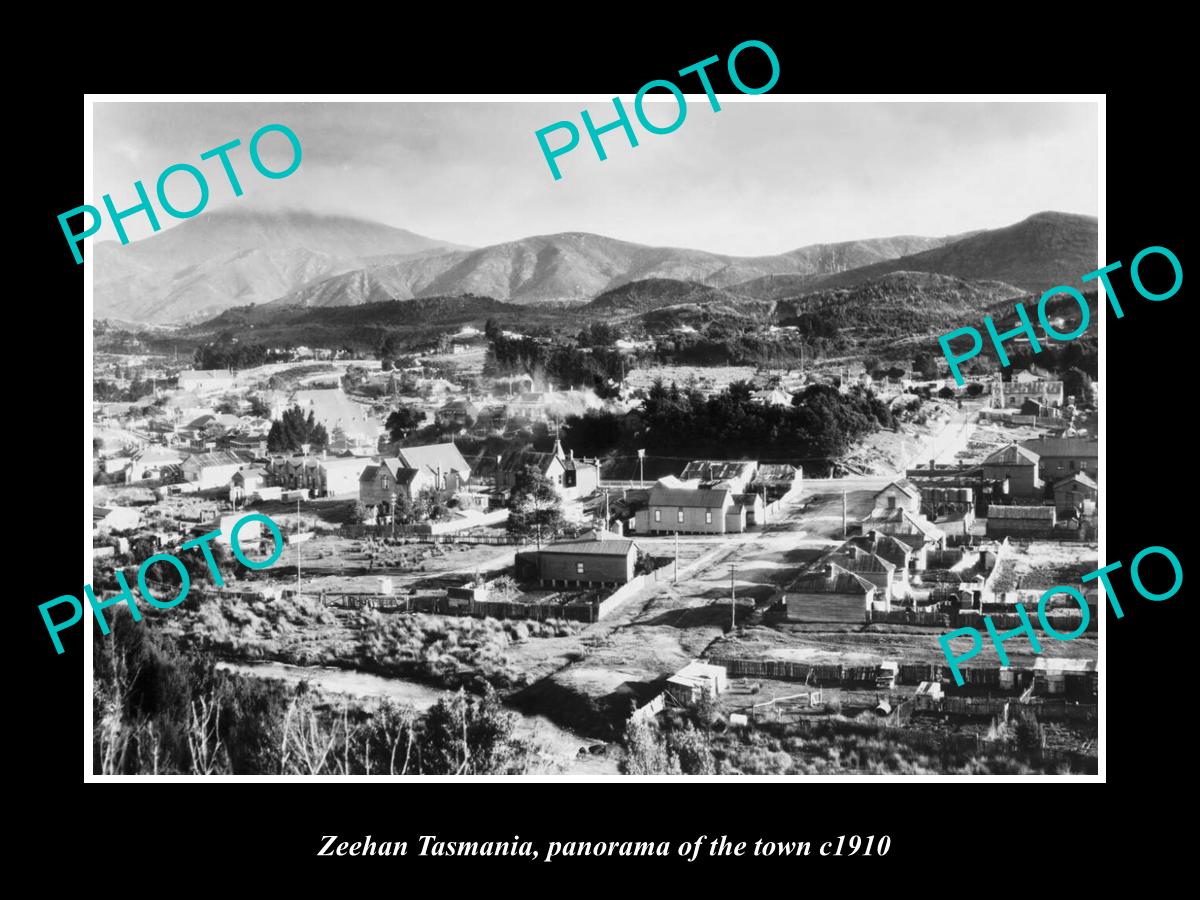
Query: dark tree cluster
{"points": [[821, 423], [229, 354], [294, 430]]}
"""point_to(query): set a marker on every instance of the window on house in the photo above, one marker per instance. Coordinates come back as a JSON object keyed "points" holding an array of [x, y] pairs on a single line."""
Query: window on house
{"points": [[679, 516], [891, 502], [658, 515], [708, 517], [578, 568], [385, 482]]}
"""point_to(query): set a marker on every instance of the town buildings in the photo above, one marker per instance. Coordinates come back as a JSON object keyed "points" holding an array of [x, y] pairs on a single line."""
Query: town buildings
{"points": [[1013, 394]]}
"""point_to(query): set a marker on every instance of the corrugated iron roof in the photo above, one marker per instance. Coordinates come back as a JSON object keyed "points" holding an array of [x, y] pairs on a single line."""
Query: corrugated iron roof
{"points": [[837, 581], [689, 497], [1053, 447], [1020, 512], [617, 547], [1012, 455]]}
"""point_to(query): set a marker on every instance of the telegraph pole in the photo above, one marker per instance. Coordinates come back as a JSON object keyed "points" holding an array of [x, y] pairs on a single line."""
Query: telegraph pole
{"points": [[675, 577], [732, 599], [297, 549], [843, 512]]}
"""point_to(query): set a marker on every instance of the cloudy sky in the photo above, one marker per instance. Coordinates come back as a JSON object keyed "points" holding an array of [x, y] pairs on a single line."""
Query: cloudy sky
{"points": [[759, 177]]}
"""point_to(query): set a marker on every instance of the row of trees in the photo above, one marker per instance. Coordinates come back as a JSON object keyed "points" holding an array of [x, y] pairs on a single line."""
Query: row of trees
{"points": [[429, 505], [110, 392], [821, 423], [230, 354]]}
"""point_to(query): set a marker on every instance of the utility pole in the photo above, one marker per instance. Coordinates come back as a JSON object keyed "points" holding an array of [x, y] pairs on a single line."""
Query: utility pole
{"points": [[641, 468], [675, 577], [732, 599], [843, 512], [297, 549]]}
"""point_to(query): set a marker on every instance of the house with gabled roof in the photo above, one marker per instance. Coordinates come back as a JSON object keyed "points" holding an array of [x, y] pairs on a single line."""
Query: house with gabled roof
{"points": [[1059, 457], [1020, 521], [606, 562], [1074, 493], [890, 549], [1016, 467], [777, 480], [914, 530], [734, 474], [572, 478], [830, 593], [900, 494], [212, 469], [439, 466], [382, 483], [690, 510]]}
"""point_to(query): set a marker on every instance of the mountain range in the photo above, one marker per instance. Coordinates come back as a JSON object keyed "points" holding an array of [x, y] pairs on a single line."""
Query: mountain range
{"points": [[235, 257], [226, 259]]}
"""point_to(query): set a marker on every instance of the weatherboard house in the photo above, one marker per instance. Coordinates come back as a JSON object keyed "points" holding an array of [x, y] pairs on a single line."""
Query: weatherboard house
{"points": [[381, 484], [1016, 469], [606, 562], [690, 511], [830, 593]]}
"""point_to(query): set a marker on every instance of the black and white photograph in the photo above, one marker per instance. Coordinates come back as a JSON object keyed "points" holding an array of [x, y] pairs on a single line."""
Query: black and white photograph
{"points": [[455, 436]]}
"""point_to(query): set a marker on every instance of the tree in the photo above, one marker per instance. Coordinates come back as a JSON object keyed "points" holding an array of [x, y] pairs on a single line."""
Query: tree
{"points": [[404, 420], [390, 347], [693, 751], [646, 753], [534, 507], [462, 737], [925, 364], [1078, 384], [259, 407], [946, 393], [294, 430], [430, 504], [974, 389]]}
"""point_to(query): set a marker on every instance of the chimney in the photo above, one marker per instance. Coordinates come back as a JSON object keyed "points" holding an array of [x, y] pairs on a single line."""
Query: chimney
{"points": [[931, 465], [570, 455]]}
